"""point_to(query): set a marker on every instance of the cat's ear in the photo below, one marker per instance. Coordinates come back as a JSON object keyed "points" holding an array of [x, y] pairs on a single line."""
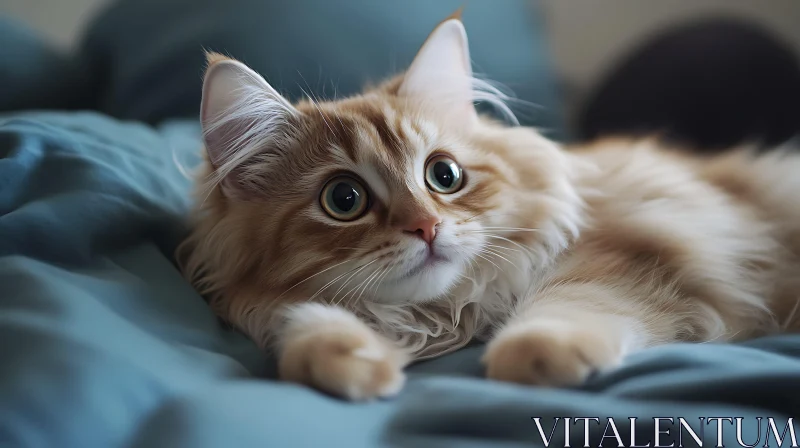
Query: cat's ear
{"points": [[242, 116], [441, 74]]}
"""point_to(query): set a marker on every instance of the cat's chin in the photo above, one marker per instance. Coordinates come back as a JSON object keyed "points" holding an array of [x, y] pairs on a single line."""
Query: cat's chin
{"points": [[424, 284]]}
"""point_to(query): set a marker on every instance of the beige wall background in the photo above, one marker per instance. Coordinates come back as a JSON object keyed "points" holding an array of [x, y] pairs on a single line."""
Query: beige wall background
{"points": [[61, 21], [586, 36]]}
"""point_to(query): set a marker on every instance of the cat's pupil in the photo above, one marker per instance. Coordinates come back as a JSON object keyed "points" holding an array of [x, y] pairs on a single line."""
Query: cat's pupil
{"points": [[444, 174], [344, 197]]}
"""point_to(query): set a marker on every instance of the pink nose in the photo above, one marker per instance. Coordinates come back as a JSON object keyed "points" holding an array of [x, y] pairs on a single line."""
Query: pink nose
{"points": [[423, 228]]}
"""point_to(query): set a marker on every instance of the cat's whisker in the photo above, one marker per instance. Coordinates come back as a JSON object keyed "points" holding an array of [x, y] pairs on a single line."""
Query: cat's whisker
{"points": [[362, 286], [371, 287], [366, 285], [471, 265], [335, 97], [339, 277], [344, 285], [326, 285], [371, 280], [468, 265], [335, 89], [349, 279], [312, 276], [496, 247], [316, 105], [488, 260], [472, 268], [510, 241], [491, 252], [336, 113], [350, 293], [790, 318], [470, 218], [382, 278], [310, 96], [485, 215], [511, 229], [506, 259]]}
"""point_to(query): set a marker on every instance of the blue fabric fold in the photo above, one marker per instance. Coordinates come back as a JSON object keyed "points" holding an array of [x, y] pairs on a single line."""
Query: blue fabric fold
{"points": [[104, 344]]}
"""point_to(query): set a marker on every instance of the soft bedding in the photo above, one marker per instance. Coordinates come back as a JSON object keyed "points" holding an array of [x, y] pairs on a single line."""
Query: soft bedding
{"points": [[103, 344]]}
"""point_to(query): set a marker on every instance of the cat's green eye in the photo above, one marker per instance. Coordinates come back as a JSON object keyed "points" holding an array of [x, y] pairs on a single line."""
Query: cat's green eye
{"points": [[344, 199], [443, 175]]}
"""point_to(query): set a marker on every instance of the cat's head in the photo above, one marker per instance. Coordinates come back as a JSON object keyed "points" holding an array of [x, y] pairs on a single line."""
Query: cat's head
{"points": [[394, 196]]}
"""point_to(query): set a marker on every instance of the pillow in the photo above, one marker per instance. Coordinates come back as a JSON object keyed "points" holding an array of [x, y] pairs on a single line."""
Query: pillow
{"points": [[149, 53]]}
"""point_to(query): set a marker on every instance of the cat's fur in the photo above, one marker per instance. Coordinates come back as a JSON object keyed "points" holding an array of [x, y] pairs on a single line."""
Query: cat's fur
{"points": [[565, 260]]}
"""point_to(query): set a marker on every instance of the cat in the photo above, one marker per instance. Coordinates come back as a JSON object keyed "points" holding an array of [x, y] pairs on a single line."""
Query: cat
{"points": [[357, 235]]}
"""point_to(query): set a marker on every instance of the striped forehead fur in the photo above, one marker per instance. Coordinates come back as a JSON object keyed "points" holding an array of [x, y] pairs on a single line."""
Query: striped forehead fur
{"points": [[275, 126]]}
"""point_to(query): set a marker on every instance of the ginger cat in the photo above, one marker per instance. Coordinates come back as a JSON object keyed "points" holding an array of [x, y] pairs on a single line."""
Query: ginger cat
{"points": [[356, 235]]}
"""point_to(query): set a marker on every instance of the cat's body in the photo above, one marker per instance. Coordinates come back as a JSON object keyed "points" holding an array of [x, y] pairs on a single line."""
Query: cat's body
{"points": [[362, 233], [675, 248]]}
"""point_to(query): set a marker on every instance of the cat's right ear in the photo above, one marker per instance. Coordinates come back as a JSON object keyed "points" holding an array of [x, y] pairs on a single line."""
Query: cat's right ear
{"points": [[242, 116]]}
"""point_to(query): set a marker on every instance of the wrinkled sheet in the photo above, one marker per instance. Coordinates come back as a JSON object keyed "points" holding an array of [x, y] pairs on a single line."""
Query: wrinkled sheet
{"points": [[103, 344]]}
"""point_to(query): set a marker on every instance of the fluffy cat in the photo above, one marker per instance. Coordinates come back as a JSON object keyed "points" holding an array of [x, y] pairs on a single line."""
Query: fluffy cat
{"points": [[356, 235]]}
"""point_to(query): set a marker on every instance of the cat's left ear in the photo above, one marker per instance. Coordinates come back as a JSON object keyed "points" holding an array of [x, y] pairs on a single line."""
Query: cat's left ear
{"points": [[441, 75], [242, 117]]}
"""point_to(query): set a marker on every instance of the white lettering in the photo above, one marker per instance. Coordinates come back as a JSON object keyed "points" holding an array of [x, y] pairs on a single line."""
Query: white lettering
{"points": [[719, 428], [658, 431], [546, 440], [633, 435], [779, 439], [586, 428], [697, 440], [739, 432], [610, 424]]}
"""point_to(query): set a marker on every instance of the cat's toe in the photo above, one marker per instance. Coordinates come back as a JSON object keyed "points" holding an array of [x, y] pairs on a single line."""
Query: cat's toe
{"points": [[350, 365], [542, 356]]}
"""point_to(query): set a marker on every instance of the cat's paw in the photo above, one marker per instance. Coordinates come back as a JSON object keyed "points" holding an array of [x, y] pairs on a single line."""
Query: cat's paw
{"points": [[344, 360], [550, 354]]}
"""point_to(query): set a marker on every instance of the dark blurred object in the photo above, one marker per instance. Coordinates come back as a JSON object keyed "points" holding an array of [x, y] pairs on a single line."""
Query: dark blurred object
{"points": [[33, 75], [148, 54], [709, 84]]}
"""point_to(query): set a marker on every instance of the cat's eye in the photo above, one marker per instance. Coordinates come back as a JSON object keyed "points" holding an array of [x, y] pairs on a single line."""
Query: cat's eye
{"points": [[443, 175], [344, 199]]}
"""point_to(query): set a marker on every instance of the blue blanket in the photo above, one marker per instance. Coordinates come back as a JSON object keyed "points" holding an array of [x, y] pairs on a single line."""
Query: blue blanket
{"points": [[103, 344]]}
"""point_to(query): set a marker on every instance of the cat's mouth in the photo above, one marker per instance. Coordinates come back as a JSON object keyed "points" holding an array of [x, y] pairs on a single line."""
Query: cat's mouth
{"points": [[426, 273]]}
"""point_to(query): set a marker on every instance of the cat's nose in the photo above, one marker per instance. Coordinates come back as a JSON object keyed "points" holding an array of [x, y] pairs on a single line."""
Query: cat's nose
{"points": [[424, 228]]}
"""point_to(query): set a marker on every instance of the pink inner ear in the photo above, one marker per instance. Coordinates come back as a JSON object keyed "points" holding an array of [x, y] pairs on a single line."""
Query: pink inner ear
{"points": [[441, 76], [224, 96], [242, 116], [234, 183], [219, 142]]}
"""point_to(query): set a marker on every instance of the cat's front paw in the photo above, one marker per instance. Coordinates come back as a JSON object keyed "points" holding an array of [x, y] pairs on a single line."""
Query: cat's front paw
{"points": [[549, 354], [349, 362]]}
